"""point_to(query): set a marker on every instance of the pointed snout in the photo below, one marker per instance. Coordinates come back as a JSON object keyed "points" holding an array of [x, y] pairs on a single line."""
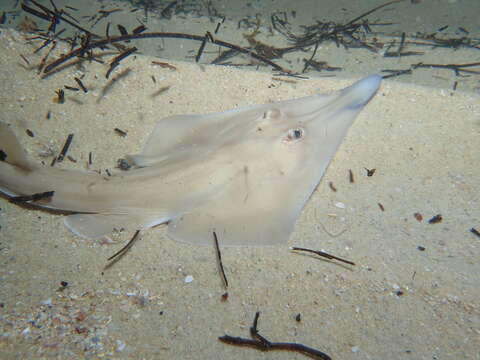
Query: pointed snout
{"points": [[362, 91]]}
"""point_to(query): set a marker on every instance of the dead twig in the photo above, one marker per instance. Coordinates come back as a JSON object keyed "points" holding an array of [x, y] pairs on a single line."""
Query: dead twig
{"points": [[261, 343]]}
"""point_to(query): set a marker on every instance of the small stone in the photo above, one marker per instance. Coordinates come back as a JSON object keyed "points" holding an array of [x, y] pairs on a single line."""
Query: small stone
{"points": [[340, 205], [120, 346], [47, 302], [188, 279]]}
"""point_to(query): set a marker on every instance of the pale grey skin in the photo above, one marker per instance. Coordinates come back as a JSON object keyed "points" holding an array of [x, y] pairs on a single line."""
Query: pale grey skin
{"points": [[245, 174]]}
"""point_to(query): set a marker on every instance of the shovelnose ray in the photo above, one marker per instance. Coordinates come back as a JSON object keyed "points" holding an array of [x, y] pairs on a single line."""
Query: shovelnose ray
{"points": [[245, 174]]}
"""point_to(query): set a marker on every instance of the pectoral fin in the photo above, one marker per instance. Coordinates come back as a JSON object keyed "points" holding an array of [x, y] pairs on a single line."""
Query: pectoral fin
{"points": [[96, 226]]}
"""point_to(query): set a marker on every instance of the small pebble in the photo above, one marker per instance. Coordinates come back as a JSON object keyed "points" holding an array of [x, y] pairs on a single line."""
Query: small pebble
{"points": [[188, 279], [47, 302], [418, 216], [120, 346], [340, 205]]}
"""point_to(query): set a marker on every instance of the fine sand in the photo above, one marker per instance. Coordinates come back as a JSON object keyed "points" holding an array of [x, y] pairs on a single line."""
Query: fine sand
{"points": [[413, 293]]}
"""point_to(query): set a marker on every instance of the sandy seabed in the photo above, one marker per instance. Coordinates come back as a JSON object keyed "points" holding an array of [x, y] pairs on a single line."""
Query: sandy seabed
{"points": [[414, 293]]}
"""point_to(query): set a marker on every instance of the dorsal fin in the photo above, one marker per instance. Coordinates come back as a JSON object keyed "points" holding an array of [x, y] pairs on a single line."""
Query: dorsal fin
{"points": [[11, 148]]}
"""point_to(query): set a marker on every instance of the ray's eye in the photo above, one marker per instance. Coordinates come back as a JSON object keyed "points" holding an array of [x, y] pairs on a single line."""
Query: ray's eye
{"points": [[297, 133], [294, 135]]}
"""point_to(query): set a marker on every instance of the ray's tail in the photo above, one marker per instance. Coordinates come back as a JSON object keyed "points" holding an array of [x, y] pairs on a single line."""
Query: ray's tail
{"points": [[21, 177], [14, 164], [11, 150]]}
